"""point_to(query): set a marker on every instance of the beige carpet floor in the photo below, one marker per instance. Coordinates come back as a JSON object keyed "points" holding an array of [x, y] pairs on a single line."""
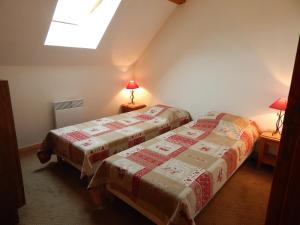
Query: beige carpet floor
{"points": [[56, 196]]}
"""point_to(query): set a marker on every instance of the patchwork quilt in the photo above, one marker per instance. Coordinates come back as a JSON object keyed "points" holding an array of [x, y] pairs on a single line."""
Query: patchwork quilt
{"points": [[85, 145], [173, 176]]}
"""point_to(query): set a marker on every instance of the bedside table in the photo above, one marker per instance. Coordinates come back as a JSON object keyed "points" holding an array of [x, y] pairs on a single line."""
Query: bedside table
{"points": [[267, 140], [131, 107]]}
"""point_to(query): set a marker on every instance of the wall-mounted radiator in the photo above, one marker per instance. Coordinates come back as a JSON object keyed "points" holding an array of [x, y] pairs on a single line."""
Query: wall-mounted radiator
{"points": [[67, 113]]}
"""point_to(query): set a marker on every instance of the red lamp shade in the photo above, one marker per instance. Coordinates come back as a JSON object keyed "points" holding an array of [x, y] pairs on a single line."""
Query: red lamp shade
{"points": [[279, 104], [132, 85]]}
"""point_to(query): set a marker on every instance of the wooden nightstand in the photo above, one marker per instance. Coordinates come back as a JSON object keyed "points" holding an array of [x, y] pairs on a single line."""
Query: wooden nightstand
{"points": [[131, 107], [266, 141]]}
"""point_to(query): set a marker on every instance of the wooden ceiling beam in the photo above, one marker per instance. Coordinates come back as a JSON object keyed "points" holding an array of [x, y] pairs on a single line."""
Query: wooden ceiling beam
{"points": [[178, 2]]}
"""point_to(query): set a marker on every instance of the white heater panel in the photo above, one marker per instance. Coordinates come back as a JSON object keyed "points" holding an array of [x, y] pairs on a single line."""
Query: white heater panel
{"points": [[68, 113]]}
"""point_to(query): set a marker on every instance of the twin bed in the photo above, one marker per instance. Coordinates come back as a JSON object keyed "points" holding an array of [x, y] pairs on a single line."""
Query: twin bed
{"points": [[85, 145], [172, 176]]}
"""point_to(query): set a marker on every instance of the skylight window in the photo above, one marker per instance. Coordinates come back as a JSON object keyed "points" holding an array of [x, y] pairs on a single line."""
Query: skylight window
{"points": [[80, 23]]}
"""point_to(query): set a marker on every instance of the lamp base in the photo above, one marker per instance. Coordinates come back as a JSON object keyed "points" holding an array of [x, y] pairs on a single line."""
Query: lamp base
{"points": [[279, 123], [275, 132], [132, 98]]}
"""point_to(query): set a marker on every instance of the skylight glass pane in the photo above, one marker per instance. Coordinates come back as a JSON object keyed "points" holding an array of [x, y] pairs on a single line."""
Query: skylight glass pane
{"points": [[80, 23]]}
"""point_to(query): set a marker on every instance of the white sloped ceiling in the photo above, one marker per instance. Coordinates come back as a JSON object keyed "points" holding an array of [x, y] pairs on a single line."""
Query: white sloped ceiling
{"points": [[24, 25]]}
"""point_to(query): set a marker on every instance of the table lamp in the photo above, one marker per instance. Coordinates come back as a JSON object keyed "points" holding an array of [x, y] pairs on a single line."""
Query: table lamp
{"points": [[280, 104], [131, 86]]}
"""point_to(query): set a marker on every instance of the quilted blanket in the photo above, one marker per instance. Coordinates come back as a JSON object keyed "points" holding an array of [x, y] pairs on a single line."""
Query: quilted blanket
{"points": [[173, 176], [85, 145]]}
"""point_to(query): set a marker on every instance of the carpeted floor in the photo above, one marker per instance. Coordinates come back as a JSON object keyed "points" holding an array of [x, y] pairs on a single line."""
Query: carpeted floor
{"points": [[56, 196]]}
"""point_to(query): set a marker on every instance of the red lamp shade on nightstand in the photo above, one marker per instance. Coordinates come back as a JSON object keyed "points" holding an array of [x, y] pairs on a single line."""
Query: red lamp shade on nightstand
{"points": [[279, 104], [132, 85]]}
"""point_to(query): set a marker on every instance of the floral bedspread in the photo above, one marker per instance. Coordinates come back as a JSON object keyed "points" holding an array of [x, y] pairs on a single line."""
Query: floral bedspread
{"points": [[85, 145], [174, 175]]}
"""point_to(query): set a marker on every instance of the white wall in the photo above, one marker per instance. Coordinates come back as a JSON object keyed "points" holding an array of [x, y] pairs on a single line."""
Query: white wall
{"points": [[228, 55], [34, 88]]}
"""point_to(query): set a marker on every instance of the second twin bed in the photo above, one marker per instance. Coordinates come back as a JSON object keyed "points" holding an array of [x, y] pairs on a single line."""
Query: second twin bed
{"points": [[172, 177]]}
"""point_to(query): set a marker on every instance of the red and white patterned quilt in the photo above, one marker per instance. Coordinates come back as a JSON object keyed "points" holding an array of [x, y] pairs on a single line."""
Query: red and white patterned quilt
{"points": [[85, 145], [173, 176]]}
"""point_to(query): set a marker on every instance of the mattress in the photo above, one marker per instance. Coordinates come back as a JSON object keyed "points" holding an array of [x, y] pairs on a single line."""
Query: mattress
{"points": [[85, 145], [173, 176]]}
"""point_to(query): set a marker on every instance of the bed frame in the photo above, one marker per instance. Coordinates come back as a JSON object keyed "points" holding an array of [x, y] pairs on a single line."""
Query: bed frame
{"points": [[131, 203], [148, 214]]}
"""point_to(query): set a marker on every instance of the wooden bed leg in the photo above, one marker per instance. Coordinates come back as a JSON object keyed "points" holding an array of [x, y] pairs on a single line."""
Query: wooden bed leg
{"points": [[86, 180], [59, 159], [111, 198]]}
